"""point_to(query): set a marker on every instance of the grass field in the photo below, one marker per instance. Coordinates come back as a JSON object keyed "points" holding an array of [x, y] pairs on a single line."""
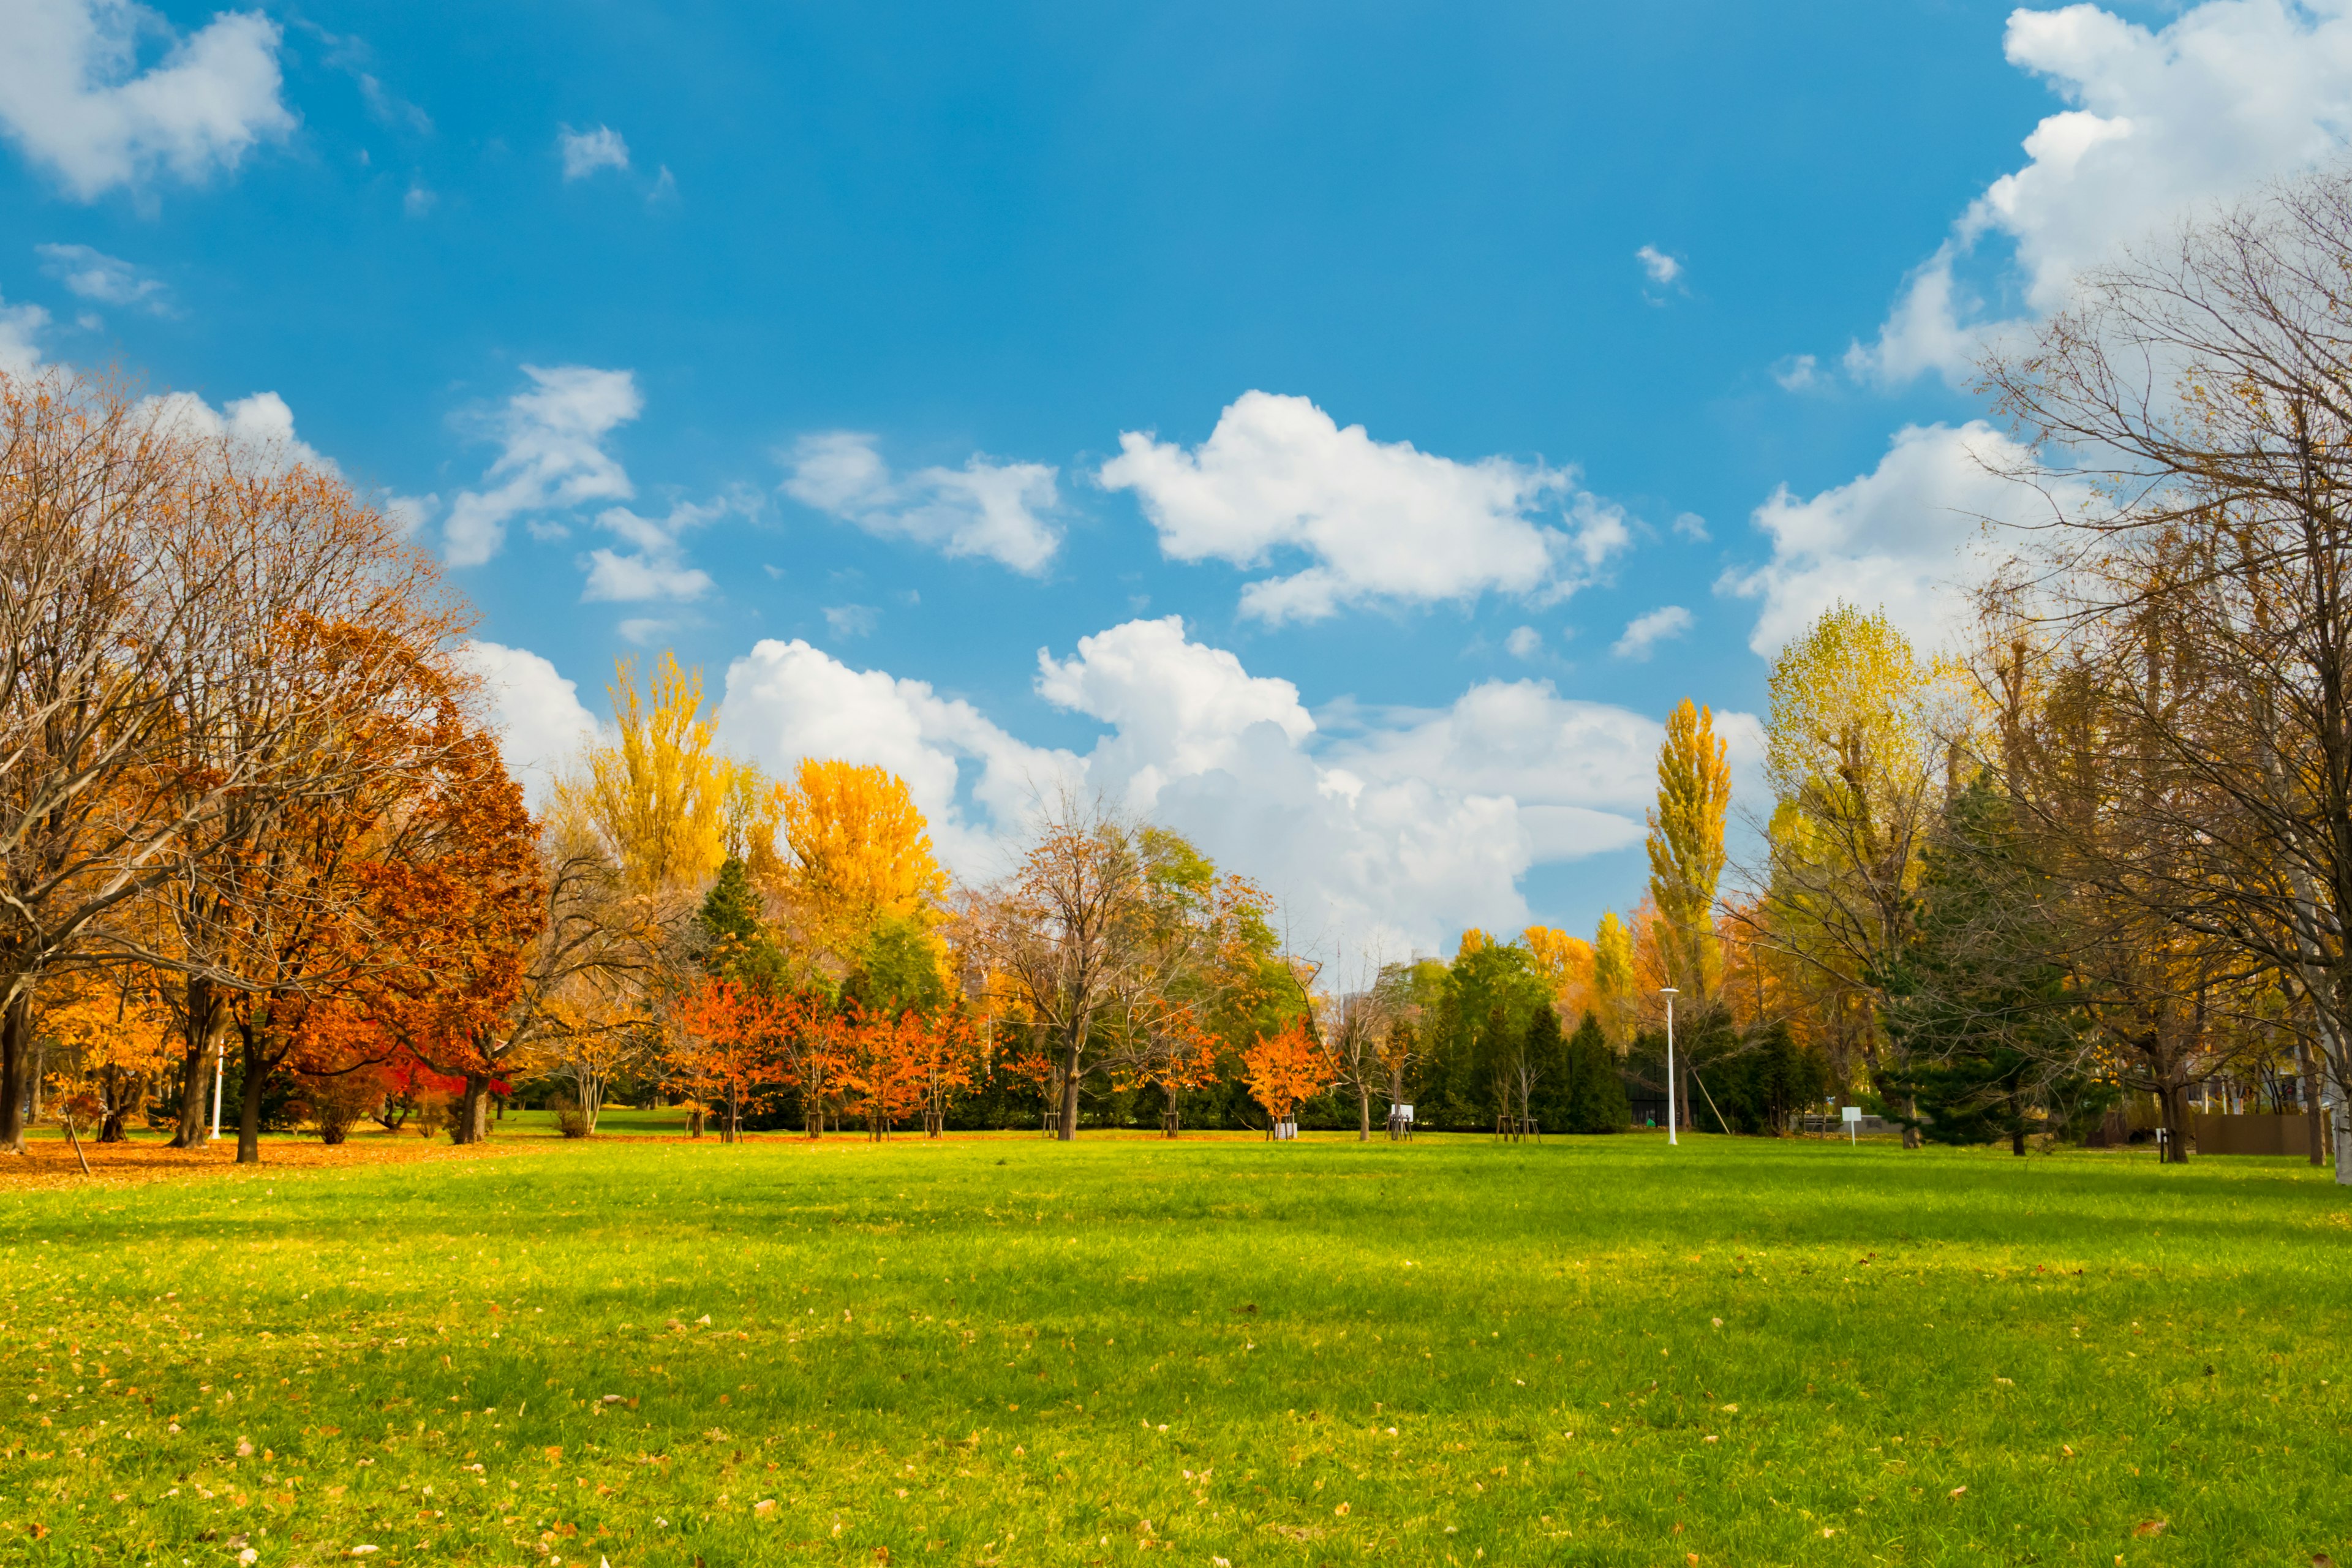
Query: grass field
{"points": [[996, 1350]]}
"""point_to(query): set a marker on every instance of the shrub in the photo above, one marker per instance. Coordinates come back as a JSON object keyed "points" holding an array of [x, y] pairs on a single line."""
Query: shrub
{"points": [[572, 1121]]}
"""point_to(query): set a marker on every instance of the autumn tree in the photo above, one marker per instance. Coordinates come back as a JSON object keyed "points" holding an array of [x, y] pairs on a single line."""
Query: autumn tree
{"points": [[1283, 1069], [1615, 1003], [1686, 847]]}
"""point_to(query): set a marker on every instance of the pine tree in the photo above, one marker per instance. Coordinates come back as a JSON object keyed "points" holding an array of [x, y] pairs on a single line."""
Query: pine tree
{"points": [[735, 943], [1543, 1059], [1594, 1093], [1989, 1029]]}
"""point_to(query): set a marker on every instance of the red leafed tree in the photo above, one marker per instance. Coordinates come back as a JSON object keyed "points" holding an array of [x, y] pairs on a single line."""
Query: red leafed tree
{"points": [[878, 1079], [729, 1053], [1284, 1069], [944, 1057]]}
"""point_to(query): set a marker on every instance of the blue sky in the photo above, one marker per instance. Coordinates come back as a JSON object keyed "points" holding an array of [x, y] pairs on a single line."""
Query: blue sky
{"points": [[1473, 383]]}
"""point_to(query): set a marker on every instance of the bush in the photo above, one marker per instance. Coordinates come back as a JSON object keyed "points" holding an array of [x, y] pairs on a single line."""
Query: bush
{"points": [[572, 1121], [432, 1112]]}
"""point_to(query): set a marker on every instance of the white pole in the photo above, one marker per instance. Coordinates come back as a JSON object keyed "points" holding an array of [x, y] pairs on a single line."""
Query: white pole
{"points": [[220, 1071], [1671, 1141]]}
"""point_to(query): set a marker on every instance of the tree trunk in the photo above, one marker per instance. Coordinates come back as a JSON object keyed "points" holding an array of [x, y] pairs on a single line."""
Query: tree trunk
{"points": [[2169, 1099], [248, 1115], [1065, 1128], [15, 1053], [2310, 1072], [2017, 1142], [1364, 1112], [202, 1030], [473, 1122]]}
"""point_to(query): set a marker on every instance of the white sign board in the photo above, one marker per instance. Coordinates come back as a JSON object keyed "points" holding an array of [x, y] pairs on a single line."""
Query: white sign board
{"points": [[1403, 1112], [1849, 1112]]}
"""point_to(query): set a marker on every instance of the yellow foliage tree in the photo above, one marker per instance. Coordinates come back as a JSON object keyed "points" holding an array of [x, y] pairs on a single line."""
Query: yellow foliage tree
{"points": [[860, 856], [1686, 847], [667, 805], [1566, 964], [1614, 1004]]}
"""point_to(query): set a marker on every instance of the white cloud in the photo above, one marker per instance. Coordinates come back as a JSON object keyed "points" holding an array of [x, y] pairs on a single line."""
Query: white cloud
{"points": [[21, 327], [552, 455], [656, 568], [851, 620], [1905, 536], [1798, 373], [1644, 632], [262, 424], [786, 701], [1379, 522], [1661, 267], [987, 509], [1525, 642], [94, 275], [73, 96], [420, 200], [540, 720], [585, 152], [1391, 827], [2160, 121]]}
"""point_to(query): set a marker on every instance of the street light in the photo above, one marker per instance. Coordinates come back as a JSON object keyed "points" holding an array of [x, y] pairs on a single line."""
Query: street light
{"points": [[1668, 993]]}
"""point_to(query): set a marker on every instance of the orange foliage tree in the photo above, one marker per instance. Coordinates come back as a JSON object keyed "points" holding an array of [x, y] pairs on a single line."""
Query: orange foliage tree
{"points": [[1284, 1068], [728, 1052]]}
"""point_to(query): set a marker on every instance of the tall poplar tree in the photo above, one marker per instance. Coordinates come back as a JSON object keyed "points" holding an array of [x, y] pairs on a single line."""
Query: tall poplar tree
{"points": [[1686, 847]]}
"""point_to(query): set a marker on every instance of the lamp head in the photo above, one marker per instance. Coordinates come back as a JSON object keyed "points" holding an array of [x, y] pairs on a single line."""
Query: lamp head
{"points": [[1668, 991]]}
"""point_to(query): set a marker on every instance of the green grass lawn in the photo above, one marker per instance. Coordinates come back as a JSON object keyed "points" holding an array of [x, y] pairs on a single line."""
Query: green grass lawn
{"points": [[1598, 1350]]}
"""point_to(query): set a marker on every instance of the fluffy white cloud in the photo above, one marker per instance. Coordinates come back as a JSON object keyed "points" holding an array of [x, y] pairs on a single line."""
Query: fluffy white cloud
{"points": [[786, 701], [1379, 522], [1644, 632], [551, 456], [21, 327], [262, 423], [1905, 536], [1525, 642], [540, 720], [2161, 121], [656, 568], [72, 96], [110, 280], [1383, 828], [994, 509], [585, 152], [1661, 267]]}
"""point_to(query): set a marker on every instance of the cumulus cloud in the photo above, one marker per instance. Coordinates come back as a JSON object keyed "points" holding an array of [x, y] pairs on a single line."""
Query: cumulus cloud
{"points": [[73, 98], [110, 280], [1379, 522], [1390, 827], [1905, 536], [551, 456], [998, 510], [1661, 268], [1644, 632], [21, 327], [656, 567], [2161, 121], [1525, 642], [585, 152], [262, 423], [540, 720], [787, 700]]}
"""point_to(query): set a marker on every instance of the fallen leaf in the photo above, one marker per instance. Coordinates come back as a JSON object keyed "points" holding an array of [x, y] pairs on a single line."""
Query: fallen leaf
{"points": [[2150, 1527], [1957, 1490]]}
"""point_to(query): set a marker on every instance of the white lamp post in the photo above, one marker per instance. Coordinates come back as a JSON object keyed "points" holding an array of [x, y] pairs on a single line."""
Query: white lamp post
{"points": [[1668, 993], [220, 1072]]}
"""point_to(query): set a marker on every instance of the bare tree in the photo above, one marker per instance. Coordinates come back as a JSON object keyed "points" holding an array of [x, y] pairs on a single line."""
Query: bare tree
{"points": [[2193, 413]]}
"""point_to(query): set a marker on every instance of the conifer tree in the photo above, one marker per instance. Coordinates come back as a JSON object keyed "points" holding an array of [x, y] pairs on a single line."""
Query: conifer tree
{"points": [[1594, 1097]]}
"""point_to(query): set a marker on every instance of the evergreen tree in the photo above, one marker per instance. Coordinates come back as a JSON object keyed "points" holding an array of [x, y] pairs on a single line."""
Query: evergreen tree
{"points": [[1594, 1097], [1544, 1050], [1989, 1029], [735, 944]]}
